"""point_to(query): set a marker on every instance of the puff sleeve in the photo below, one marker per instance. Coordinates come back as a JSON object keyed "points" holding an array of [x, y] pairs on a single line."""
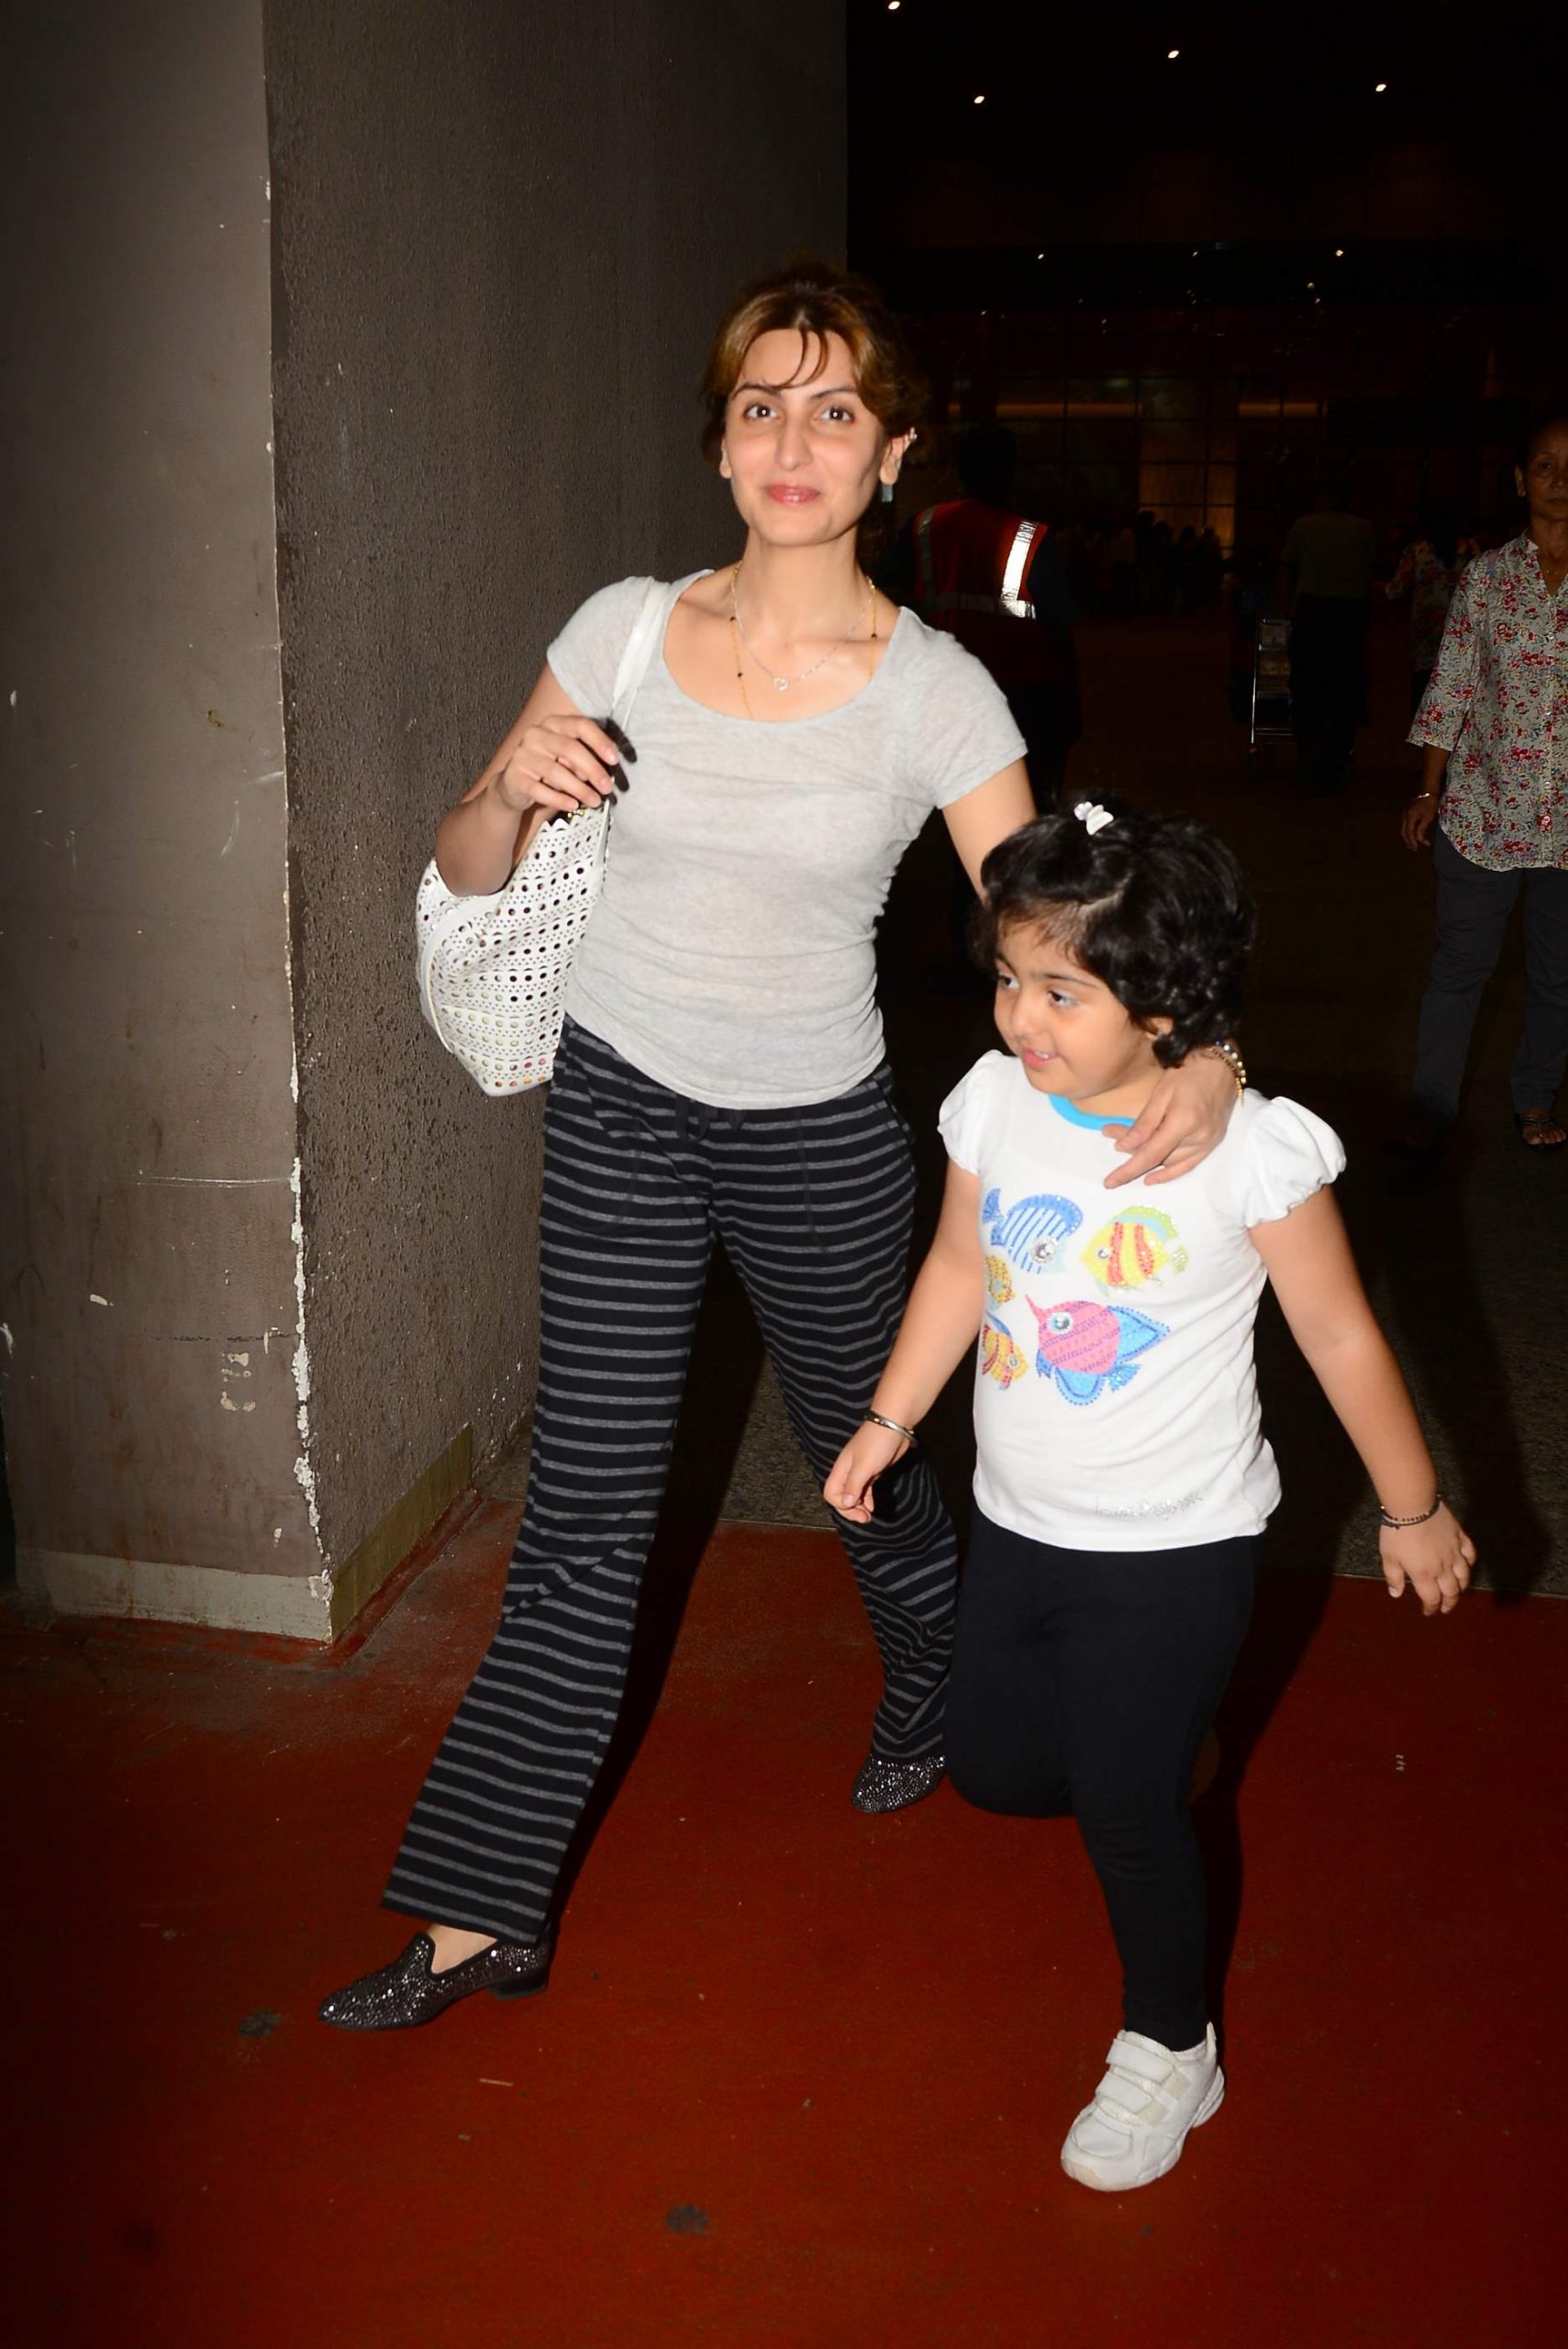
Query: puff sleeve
{"points": [[965, 1114], [1290, 1154]]}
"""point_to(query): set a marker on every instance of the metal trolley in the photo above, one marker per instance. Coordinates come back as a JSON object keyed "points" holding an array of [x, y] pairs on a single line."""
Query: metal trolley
{"points": [[1271, 721]]}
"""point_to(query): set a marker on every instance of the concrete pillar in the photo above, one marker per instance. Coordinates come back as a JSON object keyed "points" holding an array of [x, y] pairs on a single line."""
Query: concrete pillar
{"points": [[365, 347]]}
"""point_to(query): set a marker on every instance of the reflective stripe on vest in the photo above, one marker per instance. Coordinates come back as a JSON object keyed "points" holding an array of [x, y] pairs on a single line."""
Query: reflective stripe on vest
{"points": [[1008, 604]]}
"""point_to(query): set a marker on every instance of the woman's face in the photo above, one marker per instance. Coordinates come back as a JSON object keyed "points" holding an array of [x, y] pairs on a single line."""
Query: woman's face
{"points": [[802, 452], [1543, 478]]}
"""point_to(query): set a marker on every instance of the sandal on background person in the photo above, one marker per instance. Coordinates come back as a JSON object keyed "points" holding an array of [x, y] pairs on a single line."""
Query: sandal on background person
{"points": [[1541, 1128]]}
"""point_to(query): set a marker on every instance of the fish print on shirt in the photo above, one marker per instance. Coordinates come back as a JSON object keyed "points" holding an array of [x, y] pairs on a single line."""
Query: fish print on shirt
{"points": [[998, 1280], [1087, 1347], [1139, 1246], [1001, 1356], [1033, 1231]]}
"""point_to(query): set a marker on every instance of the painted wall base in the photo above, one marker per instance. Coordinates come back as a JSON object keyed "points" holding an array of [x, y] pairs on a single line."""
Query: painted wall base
{"points": [[290, 1606]]}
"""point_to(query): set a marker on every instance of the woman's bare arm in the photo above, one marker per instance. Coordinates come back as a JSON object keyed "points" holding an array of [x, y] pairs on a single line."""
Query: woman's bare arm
{"points": [[988, 814]]}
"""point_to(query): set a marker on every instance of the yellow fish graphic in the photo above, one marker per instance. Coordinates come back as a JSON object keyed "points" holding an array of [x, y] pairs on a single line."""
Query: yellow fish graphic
{"points": [[1138, 1247], [998, 1280], [999, 1358]]}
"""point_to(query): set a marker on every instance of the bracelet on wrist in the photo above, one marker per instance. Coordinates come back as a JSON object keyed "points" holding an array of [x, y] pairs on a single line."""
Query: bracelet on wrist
{"points": [[1227, 1052], [1424, 1519], [893, 1427]]}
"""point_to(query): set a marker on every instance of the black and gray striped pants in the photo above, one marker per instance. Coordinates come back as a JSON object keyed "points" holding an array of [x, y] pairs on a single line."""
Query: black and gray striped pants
{"points": [[813, 1207]]}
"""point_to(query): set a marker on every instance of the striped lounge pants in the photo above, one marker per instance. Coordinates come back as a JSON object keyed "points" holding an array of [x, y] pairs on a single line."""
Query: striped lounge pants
{"points": [[814, 1206]]}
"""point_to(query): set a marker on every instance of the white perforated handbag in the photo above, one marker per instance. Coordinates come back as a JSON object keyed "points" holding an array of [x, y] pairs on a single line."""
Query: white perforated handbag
{"points": [[492, 970]]}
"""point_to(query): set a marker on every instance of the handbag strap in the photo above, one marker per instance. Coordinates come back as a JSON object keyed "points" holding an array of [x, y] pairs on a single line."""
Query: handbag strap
{"points": [[660, 599]]}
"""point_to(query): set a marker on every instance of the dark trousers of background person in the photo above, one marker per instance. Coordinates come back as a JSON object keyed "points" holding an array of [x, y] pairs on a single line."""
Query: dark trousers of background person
{"points": [[814, 1206], [1327, 686], [1084, 1682], [1474, 908]]}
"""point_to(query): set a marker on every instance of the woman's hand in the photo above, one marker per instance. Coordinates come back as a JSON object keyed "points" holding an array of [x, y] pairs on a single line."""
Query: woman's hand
{"points": [[869, 1452], [1434, 1559], [1183, 1118], [560, 762], [1416, 818]]}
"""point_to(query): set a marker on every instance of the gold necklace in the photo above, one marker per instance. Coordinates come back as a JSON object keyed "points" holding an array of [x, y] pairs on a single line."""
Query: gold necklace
{"points": [[782, 685]]}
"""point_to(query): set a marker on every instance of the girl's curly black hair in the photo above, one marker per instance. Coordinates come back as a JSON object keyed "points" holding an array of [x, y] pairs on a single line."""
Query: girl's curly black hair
{"points": [[1155, 906]]}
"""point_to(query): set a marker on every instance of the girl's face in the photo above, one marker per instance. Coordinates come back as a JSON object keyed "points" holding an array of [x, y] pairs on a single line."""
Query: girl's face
{"points": [[1544, 479], [1071, 1034], [803, 457]]}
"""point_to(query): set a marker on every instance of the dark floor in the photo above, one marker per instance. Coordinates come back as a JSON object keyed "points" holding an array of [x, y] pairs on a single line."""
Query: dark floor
{"points": [[801, 2077]]}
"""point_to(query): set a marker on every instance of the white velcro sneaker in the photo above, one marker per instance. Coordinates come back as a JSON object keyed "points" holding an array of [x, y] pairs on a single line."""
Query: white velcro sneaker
{"points": [[1135, 2128]]}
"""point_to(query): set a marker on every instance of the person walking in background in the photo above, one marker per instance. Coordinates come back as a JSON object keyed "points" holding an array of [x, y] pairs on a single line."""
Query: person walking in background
{"points": [[978, 568], [1325, 583], [1428, 573], [1494, 805]]}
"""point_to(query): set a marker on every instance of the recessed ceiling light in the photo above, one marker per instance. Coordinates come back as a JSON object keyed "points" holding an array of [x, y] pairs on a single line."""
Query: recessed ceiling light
{"points": [[892, 6], [1379, 87], [1339, 252], [980, 101], [1172, 52], [1039, 256]]}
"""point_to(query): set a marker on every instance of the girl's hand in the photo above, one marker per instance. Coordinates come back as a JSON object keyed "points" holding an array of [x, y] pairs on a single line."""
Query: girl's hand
{"points": [[1435, 1559], [1418, 817], [560, 762], [1185, 1117], [868, 1453]]}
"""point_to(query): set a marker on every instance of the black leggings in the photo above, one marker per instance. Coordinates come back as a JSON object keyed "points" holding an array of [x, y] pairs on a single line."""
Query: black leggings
{"points": [[1084, 1681]]}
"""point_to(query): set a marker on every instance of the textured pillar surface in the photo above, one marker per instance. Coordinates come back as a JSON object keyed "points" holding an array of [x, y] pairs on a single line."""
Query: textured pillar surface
{"points": [[366, 346]]}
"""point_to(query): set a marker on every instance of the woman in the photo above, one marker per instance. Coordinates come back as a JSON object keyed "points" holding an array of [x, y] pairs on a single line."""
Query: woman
{"points": [[1429, 571], [1493, 804], [721, 1072]]}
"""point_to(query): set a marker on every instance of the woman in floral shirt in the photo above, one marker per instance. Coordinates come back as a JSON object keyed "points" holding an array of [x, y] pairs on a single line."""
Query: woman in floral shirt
{"points": [[1493, 725]]}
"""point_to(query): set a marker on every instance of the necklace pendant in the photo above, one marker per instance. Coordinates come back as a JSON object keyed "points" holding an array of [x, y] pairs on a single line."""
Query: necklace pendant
{"points": [[782, 685]]}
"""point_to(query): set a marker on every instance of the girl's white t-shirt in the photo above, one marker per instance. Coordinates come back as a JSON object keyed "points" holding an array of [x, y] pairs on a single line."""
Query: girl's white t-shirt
{"points": [[1115, 1406]]}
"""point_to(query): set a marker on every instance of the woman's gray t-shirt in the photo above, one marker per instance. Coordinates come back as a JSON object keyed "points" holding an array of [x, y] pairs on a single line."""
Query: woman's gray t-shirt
{"points": [[729, 955]]}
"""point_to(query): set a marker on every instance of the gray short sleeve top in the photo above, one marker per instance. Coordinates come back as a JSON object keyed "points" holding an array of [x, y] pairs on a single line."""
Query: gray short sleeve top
{"points": [[729, 955]]}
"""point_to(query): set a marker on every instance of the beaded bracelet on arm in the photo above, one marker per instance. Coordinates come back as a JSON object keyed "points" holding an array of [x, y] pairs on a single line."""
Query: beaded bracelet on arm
{"points": [[1425, 1518]]}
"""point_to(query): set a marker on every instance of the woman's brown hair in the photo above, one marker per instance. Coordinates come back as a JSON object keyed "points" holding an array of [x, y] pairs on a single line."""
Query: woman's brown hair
{"points": [[813, 299]]}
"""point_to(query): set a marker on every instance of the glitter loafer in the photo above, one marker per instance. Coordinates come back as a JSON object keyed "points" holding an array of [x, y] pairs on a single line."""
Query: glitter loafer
{"points": [[408, 1992], [894, 1785]]}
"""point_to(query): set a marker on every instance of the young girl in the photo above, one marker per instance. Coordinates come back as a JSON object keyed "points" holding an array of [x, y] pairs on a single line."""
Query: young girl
{"points": [[1122, 1478]]}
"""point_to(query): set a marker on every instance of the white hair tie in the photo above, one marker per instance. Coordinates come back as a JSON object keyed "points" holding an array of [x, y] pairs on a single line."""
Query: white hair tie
{"points": [[1093, 817]]}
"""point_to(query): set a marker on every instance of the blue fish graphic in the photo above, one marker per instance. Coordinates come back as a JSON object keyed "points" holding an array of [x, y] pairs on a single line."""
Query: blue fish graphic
{"points": [[1033, 1231]]}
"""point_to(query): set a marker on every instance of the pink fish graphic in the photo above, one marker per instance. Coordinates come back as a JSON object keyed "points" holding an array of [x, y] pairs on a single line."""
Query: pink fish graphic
{"points": [[1087, 1347]]}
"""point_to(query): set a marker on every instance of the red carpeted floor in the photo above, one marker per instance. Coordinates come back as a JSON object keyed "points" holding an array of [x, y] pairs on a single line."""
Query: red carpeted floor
{"points": [[801, 2077]]}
